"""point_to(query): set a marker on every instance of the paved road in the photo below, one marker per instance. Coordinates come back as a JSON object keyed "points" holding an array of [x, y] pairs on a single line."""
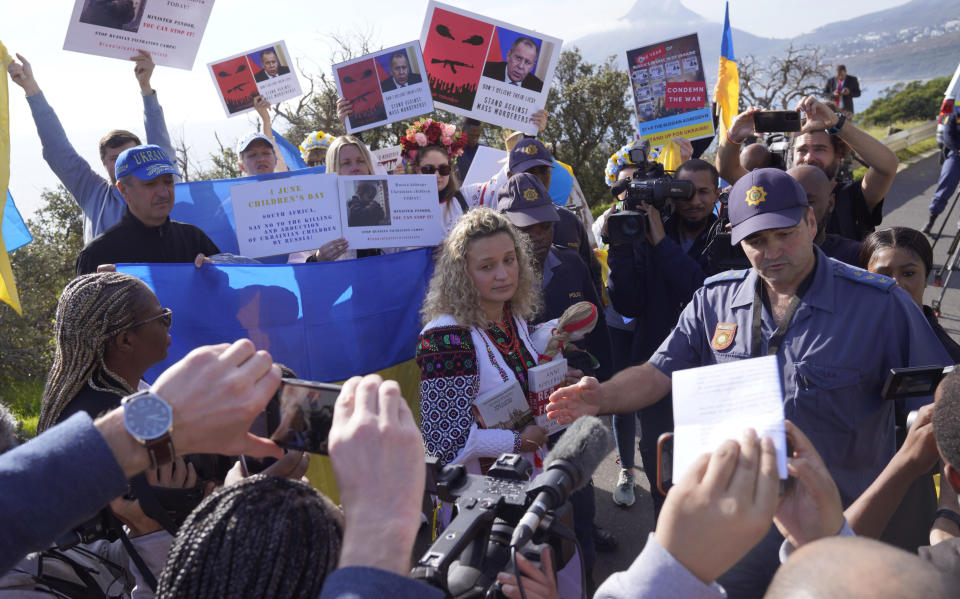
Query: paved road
{"points": [[905, 205]]}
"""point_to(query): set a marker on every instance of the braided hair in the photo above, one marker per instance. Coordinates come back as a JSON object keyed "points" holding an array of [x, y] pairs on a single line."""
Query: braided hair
{"points": [[92, 309], [266, 536]]}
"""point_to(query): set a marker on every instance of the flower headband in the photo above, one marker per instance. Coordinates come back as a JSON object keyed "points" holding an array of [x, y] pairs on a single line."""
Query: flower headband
{"points": [[621, 159], [318, 140], [429, 132]]}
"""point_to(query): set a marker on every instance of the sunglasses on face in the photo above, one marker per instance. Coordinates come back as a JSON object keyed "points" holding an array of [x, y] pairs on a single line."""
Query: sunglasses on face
{"points": [[429, 169], [165, 317]]}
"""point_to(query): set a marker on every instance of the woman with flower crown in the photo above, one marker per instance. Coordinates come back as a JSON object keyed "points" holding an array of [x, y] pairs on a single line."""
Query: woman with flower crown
{"points": [[431, 147]]}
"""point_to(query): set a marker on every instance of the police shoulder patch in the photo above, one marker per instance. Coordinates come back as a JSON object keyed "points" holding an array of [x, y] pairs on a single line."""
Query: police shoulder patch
{"points": [[727, 275], [864, 277]]}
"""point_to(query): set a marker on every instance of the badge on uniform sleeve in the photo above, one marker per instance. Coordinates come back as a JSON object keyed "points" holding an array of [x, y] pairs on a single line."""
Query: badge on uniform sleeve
{"points": [[723, 335]]}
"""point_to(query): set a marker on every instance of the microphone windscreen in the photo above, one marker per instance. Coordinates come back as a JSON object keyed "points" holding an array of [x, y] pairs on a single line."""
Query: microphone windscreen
{"points": [[583, 444]]}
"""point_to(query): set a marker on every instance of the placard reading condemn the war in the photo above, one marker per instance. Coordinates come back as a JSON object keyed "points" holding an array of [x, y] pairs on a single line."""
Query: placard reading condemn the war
{"points": [[286, 215], [385, 87], [487, 69], [169, 31], [670, 91], [264, 71]]}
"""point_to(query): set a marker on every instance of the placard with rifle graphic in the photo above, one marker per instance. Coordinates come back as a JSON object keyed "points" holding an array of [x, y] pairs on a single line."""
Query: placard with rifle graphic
{"points": [[384, 87], [486, 69]]}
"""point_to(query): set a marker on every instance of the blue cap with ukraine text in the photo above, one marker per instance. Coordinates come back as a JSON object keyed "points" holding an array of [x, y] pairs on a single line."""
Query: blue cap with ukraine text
{"points": [[766, 198], [144, 162]]}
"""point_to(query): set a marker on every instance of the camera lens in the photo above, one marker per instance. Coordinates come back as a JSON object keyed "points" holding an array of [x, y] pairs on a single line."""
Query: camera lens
{"points": [[631, 226]]}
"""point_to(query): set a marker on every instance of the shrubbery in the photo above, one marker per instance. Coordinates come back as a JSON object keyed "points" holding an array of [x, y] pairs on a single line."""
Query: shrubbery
{"points": [[906, 102]]}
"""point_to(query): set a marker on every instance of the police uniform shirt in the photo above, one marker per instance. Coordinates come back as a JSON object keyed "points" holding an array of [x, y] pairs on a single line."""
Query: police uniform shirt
{"points": [[850, 328]]}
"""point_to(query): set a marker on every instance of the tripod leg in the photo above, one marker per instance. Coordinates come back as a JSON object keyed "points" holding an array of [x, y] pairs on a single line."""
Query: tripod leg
{"points": [[946, 219], [949, 263]]}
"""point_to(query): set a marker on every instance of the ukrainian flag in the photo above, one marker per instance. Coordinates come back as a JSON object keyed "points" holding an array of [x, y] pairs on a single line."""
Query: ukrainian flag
{"points": [[8, 287], [327, 321], [727, 92]]}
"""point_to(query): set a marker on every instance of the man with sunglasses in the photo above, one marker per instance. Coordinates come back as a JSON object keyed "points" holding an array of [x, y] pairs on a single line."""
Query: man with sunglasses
{"points": [[145, 233]]}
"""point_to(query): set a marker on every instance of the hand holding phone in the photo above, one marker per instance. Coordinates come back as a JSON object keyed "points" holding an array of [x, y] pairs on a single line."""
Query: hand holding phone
{"points": [[775, 121], [305, 415]]}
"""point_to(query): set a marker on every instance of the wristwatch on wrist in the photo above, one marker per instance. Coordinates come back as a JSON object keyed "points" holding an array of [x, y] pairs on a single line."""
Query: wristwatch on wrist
{"points": [[149, 419], [841, 119]]}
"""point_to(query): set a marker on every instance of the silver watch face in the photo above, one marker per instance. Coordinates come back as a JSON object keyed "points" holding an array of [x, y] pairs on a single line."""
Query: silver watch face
{"points": [[147, 416]]}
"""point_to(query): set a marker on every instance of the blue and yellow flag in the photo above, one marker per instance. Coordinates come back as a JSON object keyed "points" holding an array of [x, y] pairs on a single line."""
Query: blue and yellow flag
{"points": [[8, 287], [727, 92], [327, 321]]}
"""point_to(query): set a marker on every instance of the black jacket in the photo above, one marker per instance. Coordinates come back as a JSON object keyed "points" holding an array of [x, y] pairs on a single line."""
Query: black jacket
{"points": [[132, 241], [850, 83], [498, 71], [262, 75], [389, 84]]}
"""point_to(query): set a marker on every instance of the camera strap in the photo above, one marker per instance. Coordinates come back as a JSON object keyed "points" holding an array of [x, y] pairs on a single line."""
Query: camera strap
{"points": [[756, 336]]}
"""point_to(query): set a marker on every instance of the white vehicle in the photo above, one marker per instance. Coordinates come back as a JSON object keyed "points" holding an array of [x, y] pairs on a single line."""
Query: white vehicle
{"points": [[947, 107]]}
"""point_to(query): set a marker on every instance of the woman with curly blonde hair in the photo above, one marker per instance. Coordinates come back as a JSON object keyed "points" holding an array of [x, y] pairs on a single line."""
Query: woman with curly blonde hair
{"points": [[475, 338]]}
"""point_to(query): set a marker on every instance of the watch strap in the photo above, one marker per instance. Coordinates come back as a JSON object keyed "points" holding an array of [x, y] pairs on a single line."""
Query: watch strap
{"points": [[841, 119], [947, 515], [160, 450]]}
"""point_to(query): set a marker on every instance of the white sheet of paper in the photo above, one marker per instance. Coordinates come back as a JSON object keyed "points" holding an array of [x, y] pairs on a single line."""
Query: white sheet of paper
{"points": [[714, 403]]}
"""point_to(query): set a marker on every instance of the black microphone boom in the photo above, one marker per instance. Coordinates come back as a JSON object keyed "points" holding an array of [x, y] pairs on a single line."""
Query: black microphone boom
{"points": [[567, 468]]}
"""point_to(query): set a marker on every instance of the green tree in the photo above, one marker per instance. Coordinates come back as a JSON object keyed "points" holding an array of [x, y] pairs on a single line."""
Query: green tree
{"points": [[42, 268], [589, 118], [906, 102]]}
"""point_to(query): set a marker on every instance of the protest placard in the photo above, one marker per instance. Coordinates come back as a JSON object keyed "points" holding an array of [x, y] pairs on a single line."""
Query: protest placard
{"points": [[169, 31], [285, 215], [387, 158], [379, 211], [385, 87], [670, 91], [486, 69], [264, 71]]}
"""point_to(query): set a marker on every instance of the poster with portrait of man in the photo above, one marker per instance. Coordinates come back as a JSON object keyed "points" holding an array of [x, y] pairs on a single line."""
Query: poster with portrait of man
{"points": [[487, 69], [384, 87], [675, 102], [169, 31], [265, 71]]}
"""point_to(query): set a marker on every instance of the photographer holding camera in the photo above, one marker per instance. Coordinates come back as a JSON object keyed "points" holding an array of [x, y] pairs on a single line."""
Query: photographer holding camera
{"points": [[653, 275], [825, 138]]}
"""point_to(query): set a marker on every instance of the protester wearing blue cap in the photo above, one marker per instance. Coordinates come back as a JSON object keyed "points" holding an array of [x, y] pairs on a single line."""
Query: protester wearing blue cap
{"points": [[837, 331], [145, 232]]}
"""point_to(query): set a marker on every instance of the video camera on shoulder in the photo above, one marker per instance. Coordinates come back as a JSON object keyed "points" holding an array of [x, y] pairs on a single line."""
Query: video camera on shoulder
{"points": [[649, 184]]}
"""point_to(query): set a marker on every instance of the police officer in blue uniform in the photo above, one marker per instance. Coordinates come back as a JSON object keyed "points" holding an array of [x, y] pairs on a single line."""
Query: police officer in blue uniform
{"points": [[836, 329]]}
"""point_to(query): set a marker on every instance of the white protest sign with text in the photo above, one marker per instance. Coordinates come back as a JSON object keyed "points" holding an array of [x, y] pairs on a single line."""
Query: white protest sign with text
{"points": [[286, 215], [380, 211], [385, 87], [266, 71], [169, 31], [487, 69]]}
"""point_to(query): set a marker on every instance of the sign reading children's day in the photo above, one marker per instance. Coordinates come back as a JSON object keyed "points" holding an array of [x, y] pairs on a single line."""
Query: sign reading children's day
{"points": [[280, 216], [486, 69], [264, 71], [385, 87], [669, 91], [169, 31]]}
